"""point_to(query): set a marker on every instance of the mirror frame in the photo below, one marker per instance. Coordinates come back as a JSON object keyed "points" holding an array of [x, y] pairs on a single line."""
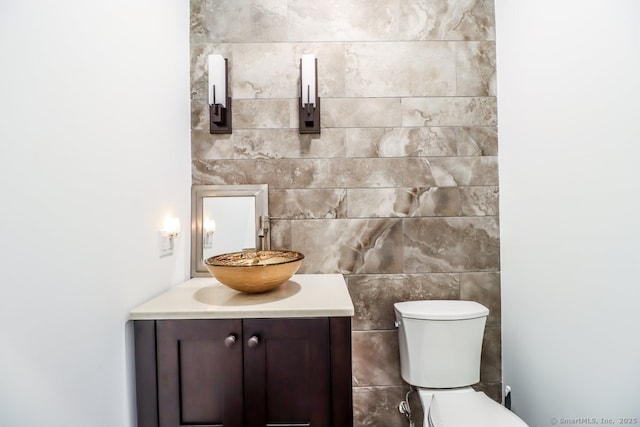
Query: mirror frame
{"points": [[260, 193]]}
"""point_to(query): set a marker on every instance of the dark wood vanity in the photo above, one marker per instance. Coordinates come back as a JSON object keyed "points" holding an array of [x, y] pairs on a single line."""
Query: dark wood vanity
{"points": [[280, 362]]}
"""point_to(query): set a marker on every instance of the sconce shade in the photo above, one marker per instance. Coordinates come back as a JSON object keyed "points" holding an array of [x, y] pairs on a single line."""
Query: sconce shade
{"points": [[308, 79], [171, 226], [309, 99], [219, 102], [209, 226], [217, 80]]}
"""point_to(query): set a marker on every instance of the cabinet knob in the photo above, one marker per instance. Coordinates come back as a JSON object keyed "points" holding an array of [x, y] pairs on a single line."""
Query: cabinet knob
{"points": [[230, 340], [253, 341]]}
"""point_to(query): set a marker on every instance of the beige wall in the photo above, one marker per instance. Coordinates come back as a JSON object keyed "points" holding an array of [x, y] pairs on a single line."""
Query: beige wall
{"points": [[86, 180], [400, 191], [570, 258]]}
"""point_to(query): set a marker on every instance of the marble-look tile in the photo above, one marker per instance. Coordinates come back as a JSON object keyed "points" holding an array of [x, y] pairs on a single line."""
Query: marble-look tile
{"points": [[316, 173], [205, 146], [376, 358], [421, 141], [400, 69], [464, 171], [418, 173], [342, 20], [294, 116], [449, 111], [277, 173], [451, 244], [247, 114], [483, 287], [400, 190], [265, 70], [238, 20], [476, 69], [330, 143], [491, 366], [383, 142], [379, 202], [447, 20], [378, 406], [422, 202], [485, 138], [307, 204], [349, 245], [407, 202], [479, 201], [272, 70], [260, 113], [452, 201], [361, 112], [208, 172], [267, 144], [376, 172], [198, 31], [373, 295], [199, 115], [436, 201], [450, 171], [280, 233]]}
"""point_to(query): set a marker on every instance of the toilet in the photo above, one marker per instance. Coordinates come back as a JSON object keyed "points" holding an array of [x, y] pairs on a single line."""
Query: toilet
{"points": [[440, 349]]}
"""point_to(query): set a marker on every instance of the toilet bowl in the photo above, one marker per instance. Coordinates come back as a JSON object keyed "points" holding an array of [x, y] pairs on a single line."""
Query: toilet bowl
{"points": [[440, 345], [464, 408]]}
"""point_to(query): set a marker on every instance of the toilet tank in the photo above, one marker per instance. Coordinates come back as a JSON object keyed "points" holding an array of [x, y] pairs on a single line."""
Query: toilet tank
{"points": [[440, 342]]}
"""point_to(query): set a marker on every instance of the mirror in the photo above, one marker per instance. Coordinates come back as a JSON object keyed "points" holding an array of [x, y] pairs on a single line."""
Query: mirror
{"points": [[227, 218]]}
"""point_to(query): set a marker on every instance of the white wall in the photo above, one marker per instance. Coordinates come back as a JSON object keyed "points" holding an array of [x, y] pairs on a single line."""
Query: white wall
{"points": [[94, 152], [569, 130]]}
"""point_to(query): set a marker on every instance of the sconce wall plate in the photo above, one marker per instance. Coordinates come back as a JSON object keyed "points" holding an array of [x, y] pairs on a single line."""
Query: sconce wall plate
{"points": [[309, 99], [310, 118], [220, 118], [219, 102], [168, 235]]}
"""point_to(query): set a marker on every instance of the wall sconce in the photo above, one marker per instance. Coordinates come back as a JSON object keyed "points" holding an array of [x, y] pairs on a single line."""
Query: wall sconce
{"points": [[309, 99], [208, 228], [168, 234], [219, 102]]}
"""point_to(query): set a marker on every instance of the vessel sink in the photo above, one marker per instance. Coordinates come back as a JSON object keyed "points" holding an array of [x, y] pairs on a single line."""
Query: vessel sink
{"points": [[254, 271]]}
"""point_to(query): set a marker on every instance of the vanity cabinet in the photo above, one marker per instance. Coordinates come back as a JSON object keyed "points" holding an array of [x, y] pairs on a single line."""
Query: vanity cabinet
{"points": [[244, 372]]}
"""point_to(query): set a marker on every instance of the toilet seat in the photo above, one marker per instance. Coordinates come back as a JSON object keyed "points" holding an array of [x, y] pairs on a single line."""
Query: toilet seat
{"points": [[472, 409]]}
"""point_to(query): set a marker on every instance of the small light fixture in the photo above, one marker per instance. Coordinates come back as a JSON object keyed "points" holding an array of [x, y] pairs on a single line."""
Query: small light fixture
{"points": [[309, 99], [168, 234], [219, 101], [209, 228]]}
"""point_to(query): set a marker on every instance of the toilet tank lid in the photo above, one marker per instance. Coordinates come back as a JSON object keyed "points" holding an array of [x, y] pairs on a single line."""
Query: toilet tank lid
{"points": [[441, 309]]}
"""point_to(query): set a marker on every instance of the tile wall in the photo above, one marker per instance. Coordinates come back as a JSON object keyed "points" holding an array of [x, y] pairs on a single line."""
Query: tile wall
{"points": [[400, 190]]}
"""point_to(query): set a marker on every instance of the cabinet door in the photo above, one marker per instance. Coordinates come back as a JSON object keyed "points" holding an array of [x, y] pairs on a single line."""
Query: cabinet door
{"points": [[287, 372], [199, 373]]}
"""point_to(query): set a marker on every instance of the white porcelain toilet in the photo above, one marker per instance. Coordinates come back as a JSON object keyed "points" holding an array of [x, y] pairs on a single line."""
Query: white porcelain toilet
{"points": [[440, 349]]}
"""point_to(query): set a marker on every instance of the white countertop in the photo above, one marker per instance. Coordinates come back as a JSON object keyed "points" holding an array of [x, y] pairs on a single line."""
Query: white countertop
{"points": [[304, 295]]}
